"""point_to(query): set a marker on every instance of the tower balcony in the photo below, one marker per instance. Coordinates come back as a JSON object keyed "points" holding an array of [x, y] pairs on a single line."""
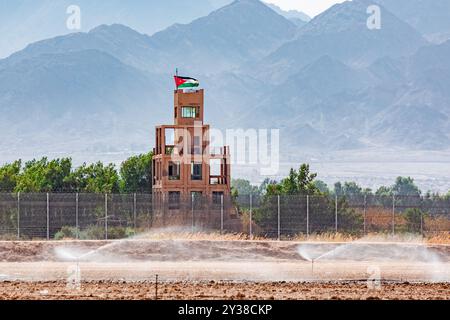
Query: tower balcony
{"points": [[218, 180], [219, 152]]}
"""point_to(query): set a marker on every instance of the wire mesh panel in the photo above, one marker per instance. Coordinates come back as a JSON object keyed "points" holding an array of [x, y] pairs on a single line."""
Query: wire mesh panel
{"points": [[409, 214], [120, 215], [380, 214], [322, 214], [351, 214], [33, 215], [230, 216], [265, 216], [436, 217], [293, 216], [62, 215], [9, 216], [172, 210], [116, 216], [92, 219], [144, 211], [244, 207]]}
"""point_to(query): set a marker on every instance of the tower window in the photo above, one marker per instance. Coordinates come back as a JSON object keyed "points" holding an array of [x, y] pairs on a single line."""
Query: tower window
{"points": [[174, 171], [190, 112], [196, 171], [196, 147]]}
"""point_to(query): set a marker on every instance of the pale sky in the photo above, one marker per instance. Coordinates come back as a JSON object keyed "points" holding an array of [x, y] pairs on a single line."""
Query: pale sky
{"points": [[310, 7]]}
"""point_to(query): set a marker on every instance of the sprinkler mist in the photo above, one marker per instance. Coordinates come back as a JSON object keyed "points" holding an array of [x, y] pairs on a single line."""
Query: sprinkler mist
{"points": [[305, 254]]}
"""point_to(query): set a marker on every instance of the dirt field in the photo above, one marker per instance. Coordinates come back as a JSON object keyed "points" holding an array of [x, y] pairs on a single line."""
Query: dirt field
{"points": [[222, 290], [208, 269]]}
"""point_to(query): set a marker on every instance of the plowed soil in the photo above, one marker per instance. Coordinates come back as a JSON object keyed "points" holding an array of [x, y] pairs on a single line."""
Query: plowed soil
{"points": [[106, 290], [195, 269]]}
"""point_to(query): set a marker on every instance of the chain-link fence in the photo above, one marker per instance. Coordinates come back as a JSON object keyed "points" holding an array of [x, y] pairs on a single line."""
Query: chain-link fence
{"points": [[291, 216], [28, 216]]}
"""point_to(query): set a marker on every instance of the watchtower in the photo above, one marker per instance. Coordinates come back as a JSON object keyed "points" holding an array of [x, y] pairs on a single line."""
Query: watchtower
{"points": [[184, 163]]}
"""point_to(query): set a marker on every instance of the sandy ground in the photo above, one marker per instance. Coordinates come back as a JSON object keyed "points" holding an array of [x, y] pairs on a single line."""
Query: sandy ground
{"points": [[226, 271], [223, 270], [106, 290]]}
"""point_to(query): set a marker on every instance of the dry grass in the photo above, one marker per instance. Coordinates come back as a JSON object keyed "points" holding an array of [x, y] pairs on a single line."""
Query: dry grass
{"points": [[440, 238], [202, 236], [435, 238], [326, 237], [437, 224]]}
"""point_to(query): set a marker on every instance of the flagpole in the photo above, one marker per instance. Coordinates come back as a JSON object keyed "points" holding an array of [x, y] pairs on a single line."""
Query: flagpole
{"points": [[176, 73]]}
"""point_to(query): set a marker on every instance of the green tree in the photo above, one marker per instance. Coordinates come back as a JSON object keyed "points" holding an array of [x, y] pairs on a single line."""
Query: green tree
{"points": [[298, 182], [136, 173], [9, 175], [244, 187], [405, 186], [293, 191], [45, 176], [384, 191], [322, 186], [413, 217], [95, 178], [350, 189], [263, 186]]}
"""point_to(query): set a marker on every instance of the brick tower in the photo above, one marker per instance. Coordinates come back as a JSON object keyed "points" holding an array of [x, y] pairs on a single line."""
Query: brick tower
{"points": [[184, 163]]}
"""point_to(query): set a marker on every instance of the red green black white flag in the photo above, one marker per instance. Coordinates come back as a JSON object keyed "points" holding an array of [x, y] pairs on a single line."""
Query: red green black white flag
{"points": [[186, 82]]}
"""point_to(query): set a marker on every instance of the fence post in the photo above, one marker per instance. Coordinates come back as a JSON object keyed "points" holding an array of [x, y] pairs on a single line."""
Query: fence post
{"points": [[76, 217], [307, 216], [221, 214], [192, 211], [393, 215], [336, 214], [163, 209], [279, 220], [106, 216], [134, 212], [18, 215], [251, 217], [48, 216], [421, 223], [365, 209], [152, 208]]}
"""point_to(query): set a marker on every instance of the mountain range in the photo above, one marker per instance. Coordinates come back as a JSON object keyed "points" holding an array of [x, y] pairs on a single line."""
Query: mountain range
{"points": [[329, 83]]}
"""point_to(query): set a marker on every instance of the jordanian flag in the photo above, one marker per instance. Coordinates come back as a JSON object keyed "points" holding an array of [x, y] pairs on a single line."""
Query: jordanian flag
{"points": [[185, 82]]}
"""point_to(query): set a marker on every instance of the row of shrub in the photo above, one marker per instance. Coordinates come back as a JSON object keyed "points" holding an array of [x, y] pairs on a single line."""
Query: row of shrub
{"points": [[94, 233]]}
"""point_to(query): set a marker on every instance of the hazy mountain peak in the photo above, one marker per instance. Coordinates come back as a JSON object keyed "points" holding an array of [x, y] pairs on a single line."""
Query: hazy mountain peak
{"points": [[350, 15], [118, 32], [247, 6], [342, 33], [430, 17], [290, 14], [111, 85], [241, 31], [115, 27]]}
